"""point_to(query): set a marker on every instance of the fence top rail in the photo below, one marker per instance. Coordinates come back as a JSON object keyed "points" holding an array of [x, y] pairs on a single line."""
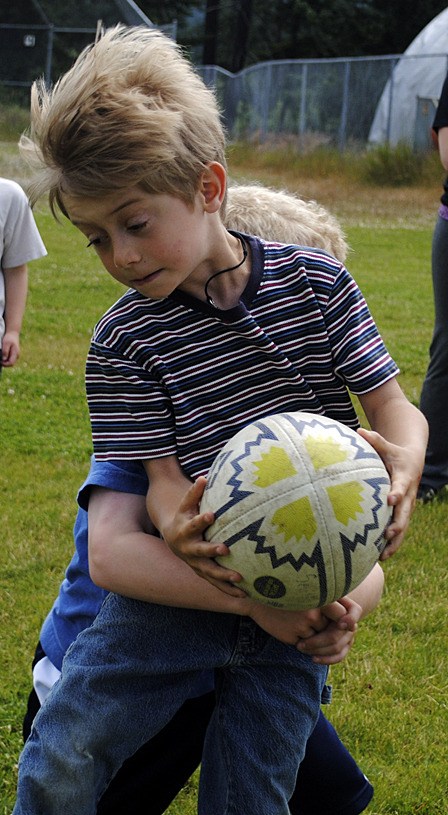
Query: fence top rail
{"points": [[319, 61]]}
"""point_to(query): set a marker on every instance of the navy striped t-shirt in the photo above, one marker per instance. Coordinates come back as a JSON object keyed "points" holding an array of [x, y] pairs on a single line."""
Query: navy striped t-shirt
{"points": [[180, 377]]}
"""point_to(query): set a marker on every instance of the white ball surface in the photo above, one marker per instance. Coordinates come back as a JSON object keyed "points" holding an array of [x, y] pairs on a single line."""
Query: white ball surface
{"points": [[301, 502]]}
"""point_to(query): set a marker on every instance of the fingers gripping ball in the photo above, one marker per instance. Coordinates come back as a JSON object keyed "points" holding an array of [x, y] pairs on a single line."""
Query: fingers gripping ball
{"points": [[301, 502]]}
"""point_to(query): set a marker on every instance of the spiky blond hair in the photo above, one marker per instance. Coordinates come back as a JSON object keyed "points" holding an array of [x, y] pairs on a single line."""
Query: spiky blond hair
{"points": [[131, 110], [281, 216]]}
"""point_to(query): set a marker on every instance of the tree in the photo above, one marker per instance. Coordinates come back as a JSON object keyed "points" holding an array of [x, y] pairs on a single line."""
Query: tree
{"points": [[238, 33], [250, 32], [340, 28], [211, 32], [402, 21], [242, 31]]}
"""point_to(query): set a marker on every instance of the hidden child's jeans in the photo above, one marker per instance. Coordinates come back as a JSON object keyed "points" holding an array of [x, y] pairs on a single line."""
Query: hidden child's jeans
{"points": [[125, 677]]}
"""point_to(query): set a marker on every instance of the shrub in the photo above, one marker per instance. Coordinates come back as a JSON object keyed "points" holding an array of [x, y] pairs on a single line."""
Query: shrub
{"points": [[396, 166]]}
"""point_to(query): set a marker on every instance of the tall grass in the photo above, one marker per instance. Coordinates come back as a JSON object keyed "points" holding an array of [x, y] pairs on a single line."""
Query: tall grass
{"points": [[380, 165], [390, 693]]}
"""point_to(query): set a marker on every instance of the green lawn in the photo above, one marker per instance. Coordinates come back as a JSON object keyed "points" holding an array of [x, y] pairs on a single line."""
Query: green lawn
{"points": [[390, 696]]}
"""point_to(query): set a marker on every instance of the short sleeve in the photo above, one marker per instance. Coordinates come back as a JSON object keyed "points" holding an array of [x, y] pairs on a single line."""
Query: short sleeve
{"points": [[121, 476], [360, 356], [130, 410], [21, 239]]}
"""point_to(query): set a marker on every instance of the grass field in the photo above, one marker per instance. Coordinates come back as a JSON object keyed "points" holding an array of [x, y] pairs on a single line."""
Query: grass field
{"points": [[390, 694]]}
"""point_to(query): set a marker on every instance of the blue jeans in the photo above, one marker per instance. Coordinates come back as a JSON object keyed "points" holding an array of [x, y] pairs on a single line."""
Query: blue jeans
{"points": [[434, 396], [125, 677]]}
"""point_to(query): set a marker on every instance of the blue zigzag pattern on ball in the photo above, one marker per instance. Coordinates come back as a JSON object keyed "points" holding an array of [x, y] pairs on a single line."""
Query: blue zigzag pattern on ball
{"points": [[315, 560], [350, 436], [236, 493], [349, 546]]}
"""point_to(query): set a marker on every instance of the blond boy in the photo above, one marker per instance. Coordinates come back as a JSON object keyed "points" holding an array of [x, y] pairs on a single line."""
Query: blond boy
{"points": [[218, 328]]}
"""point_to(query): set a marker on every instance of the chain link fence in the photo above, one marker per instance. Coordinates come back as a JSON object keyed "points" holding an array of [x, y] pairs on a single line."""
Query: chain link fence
{"points": [[339, 102]]}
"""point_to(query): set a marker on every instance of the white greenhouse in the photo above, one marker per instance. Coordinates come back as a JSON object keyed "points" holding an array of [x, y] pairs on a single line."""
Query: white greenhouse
{"points": [[407, 105]]}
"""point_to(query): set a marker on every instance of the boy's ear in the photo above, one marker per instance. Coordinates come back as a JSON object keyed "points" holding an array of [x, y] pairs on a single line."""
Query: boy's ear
{"points": [[213, 186]]}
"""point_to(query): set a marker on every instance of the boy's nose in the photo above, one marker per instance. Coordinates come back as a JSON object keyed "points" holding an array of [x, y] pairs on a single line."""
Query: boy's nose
{"points": [[124, 256]]}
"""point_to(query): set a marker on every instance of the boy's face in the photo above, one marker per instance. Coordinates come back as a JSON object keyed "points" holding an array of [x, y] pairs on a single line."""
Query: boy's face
{"points": [[151, 243]]}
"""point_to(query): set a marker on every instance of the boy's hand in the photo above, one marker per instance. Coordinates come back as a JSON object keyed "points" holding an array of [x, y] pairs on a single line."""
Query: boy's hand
{"points": [[330, 646], [328, 631], [404, 471], [184, 536], [10, 348]]}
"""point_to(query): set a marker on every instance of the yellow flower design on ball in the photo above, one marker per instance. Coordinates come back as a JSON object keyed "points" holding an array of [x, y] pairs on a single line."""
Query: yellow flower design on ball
{"points": [[324, 451], [273, 465]]}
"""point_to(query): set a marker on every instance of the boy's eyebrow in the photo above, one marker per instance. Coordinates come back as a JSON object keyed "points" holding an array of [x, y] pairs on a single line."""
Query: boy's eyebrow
{"points": [[121, 206], [125, 204]]}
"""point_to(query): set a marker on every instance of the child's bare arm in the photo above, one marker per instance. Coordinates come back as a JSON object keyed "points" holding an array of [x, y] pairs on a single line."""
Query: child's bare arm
{"points": [[16, 288], [399, 435], [442, 139], [368, 594], [167, 487], [125, 557]]}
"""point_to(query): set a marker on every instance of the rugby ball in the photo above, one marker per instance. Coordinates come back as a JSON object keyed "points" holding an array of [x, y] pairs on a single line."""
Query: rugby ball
{"points": [[301, 502]]}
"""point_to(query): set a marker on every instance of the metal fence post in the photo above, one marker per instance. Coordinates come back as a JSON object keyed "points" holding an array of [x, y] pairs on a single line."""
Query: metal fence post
{"points": [[303, 92], [265, 103], [344, 107], [391, 97]]}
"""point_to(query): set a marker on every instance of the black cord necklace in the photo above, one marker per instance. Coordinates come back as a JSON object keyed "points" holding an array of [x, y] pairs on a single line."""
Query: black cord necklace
{"points": [[230, 269]]}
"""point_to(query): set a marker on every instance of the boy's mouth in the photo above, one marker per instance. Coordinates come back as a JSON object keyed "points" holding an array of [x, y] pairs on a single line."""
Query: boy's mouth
{"points": [[140, 281]]}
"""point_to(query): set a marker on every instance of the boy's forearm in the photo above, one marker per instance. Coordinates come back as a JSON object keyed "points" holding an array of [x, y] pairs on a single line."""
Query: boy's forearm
{"points": [[404, 424], [368, 594], [144, 568], [391, 415], [168, 486], [16, 289], [126, 559]]}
